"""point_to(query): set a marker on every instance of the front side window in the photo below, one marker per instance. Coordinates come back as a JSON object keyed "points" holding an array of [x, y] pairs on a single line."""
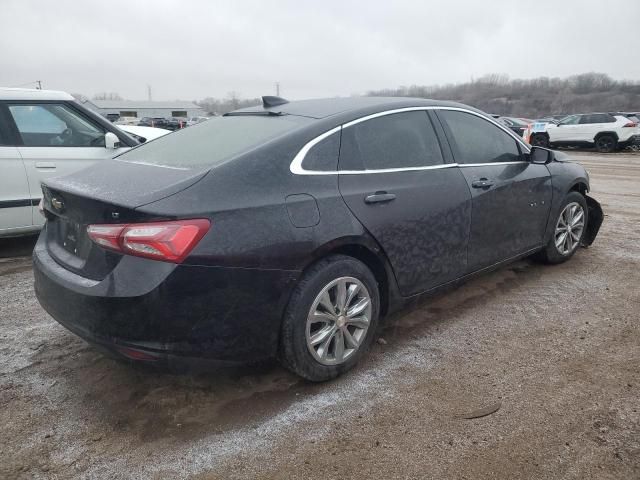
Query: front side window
{"points": [[55, 125], [476, 140], [400, 140], [570, 120]]}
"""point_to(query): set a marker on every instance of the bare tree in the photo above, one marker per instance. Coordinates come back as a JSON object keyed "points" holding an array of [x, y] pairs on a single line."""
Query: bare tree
{"points": [[496, 93]]}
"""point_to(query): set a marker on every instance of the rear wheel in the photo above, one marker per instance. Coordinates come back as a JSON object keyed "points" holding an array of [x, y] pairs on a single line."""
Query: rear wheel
{"points": [[606, 143], [568, 232], [331, 319]]}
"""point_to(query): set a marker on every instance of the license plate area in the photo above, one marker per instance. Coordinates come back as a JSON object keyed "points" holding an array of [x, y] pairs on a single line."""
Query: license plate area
{"points": [[70, 236]]}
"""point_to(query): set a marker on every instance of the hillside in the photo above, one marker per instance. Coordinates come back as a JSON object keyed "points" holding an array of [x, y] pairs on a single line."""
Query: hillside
{"points": [[587, 92]]}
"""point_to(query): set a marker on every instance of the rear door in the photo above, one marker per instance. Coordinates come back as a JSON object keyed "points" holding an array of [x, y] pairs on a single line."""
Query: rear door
{"points": [[511, 197], [54, 140], [15, 200], [590, 125], [394, 178]]}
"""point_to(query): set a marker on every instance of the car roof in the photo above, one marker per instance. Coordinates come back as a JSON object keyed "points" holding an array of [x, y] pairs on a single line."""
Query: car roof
{"points": [[32, 94], [327, 107]]}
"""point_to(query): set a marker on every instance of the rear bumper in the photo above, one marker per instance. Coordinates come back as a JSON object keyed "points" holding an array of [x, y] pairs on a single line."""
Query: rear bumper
{"points": [[166, 310]]}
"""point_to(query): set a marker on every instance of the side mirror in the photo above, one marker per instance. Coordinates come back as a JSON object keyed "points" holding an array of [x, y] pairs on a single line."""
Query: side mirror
{"points": [[541, 155], [111, 141]]}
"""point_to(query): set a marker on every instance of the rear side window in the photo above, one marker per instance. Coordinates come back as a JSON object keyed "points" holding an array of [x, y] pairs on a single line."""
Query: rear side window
{"points": [[323, 156], [597, 118], [606, 118], [213, 142], [400, 140], [476, 140], [55, 125]]}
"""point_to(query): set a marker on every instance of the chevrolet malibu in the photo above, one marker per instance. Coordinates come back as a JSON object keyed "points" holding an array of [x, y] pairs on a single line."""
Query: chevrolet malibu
{"points": [[290, 229]]}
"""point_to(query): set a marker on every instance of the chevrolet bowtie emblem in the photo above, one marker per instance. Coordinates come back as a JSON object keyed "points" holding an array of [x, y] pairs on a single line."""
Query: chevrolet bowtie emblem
{"points": [[57, 203]]}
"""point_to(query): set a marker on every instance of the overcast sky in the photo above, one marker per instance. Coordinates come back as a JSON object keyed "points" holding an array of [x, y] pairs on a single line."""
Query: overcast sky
{"points": [[191, 49]]}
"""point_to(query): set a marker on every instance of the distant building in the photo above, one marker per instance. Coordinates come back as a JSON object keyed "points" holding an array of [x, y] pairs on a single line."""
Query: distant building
{"points": [[144, 108]]}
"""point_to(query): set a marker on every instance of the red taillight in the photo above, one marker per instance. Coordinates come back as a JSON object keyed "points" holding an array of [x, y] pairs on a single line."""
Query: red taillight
{"points": [[167, 241], [630, 124]]}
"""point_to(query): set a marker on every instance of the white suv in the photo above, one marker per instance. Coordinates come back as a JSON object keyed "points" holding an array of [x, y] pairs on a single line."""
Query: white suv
{"points": [[605, 131], [42, 134]]}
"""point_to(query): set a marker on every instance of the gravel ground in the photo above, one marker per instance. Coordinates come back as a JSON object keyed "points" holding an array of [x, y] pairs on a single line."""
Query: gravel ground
{"points": [[556, 348]]}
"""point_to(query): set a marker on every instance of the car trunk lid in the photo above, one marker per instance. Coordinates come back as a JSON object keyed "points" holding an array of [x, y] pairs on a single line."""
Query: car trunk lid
{"points": [[106, 193]]}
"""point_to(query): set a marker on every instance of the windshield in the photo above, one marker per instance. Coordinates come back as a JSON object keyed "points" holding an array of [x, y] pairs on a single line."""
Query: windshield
{"points": [[211, 143]]}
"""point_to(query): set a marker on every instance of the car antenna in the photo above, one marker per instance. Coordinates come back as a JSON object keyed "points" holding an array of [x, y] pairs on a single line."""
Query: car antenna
{"points": [[272, 101]]}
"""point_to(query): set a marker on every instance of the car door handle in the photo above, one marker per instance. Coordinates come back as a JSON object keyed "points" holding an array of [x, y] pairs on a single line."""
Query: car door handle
{"points": [[379, 197], [46, 165], [482, 183]]}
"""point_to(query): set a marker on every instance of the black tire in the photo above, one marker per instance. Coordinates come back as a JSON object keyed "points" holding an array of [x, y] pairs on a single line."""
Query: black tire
{"points": [[606, 143], [539, 140], [551, 254], [295, 353]]}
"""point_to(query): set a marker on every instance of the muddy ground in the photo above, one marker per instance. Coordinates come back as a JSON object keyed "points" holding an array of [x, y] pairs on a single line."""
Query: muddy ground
{"points": [[557, 348]]}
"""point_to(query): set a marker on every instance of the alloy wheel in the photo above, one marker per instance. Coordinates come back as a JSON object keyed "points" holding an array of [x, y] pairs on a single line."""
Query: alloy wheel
{"points": [[569, 228], [605, 144], [338, 321]]}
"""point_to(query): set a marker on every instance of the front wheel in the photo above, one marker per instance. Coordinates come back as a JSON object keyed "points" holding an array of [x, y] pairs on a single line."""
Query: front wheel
{"points": [[331, 319], [540, 141], [569, 230]]}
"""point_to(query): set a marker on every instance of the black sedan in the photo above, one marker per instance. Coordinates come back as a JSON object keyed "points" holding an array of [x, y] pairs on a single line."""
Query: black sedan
{"points": [[290, 229], [517, 125]]}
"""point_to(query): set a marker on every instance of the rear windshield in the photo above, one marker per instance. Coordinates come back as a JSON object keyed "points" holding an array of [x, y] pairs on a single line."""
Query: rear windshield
{"points": [[213, 142]]}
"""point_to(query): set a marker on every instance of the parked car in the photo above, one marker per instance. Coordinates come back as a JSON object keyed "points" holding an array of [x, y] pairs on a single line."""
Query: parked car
{"points": [[127, 121], [176, 123], [290, 229], [42, 134], [143, 134], [157, 122], [604, 131], [517, 125], [196, 120]]}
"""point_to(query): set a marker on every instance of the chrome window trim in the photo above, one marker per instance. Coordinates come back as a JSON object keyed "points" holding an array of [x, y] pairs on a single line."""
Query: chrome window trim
{"points": [[296, 164], [490, 163]]}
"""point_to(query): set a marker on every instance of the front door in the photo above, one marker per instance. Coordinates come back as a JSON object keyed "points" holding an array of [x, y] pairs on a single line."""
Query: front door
{"points": [[568, 130], [511, 197], [394, 179], [56, 140]]}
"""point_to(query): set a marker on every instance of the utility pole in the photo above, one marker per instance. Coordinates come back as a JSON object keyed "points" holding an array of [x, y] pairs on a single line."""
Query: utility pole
{"points": [[277, 89], [149, 92], [39, 84]]}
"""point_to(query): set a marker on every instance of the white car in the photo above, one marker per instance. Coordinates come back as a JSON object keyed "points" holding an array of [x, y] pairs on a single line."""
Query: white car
{"points": [[127, 121], [44, 134], [605, 131], [196, 120], [144, 134]]}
